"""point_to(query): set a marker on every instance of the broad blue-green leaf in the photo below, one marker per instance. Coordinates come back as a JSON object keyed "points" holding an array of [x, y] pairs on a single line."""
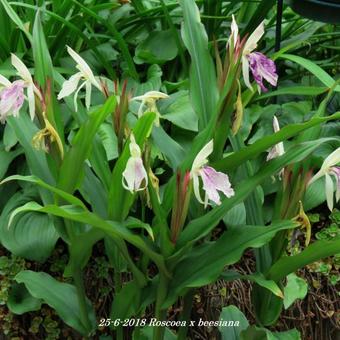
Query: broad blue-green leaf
{"points": [[60, 296], [32, 235], [20, 301]]}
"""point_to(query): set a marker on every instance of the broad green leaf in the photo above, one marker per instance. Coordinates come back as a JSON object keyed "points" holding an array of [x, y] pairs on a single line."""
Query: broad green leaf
{"points": [[205, 263], [314, 252], [258, 278], [33, 179], [232, 313], [316, 70], [173, 151], [118, 231], [146, 333], [20, 301], [62, 297], [296, 288], [157, 48], [296, 91], [6, 158], [178, 110], [203, 84], [32, 235], [236, 216], [24, 130], [126, 302], [81, 250]]}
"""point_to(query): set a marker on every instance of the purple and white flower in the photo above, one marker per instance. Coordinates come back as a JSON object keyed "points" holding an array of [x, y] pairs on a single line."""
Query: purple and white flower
{"points": [[11, 99], [260, 66], [71, 85], [213, 181], [329, 168], [134, 177], [12, 94]]}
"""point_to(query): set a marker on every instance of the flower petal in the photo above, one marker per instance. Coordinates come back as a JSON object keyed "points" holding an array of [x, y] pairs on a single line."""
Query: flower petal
{"points": [[332, 159], [134, 174], [329, 191], [4, 81], [245, 73], [234, 31], [253, 39], [69, 86], [202, 157], [23, 71], [31, 100], [88, 90], [196, 188]]}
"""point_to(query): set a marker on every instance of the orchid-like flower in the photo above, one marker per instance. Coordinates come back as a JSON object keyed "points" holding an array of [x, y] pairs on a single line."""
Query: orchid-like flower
{"points": [[213, 181], [329, 168], [260, 66], [134, 173], [85, 74], [11, 98], [277, 150], [149, 99], [12, 94]]}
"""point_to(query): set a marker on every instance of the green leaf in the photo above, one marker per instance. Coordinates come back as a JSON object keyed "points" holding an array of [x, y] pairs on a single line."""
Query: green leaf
{"points": [[157, 48], [178, 110], [32, 235], [253, 150], [20, 301], [259, 278], [203, 84], [173, 151], [296, 91], [33, 179], [60, 296], [316, 70], [6, 159], [16, 19], [118, 231], [232, 313], [146, 333], [205, 263], [126, 302], [69, 175], [43, 68], [296, 288], [314, 252]]}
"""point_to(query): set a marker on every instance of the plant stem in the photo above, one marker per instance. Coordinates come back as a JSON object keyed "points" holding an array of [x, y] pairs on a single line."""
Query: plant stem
{"points": [[160, 313], [185, 315]]}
